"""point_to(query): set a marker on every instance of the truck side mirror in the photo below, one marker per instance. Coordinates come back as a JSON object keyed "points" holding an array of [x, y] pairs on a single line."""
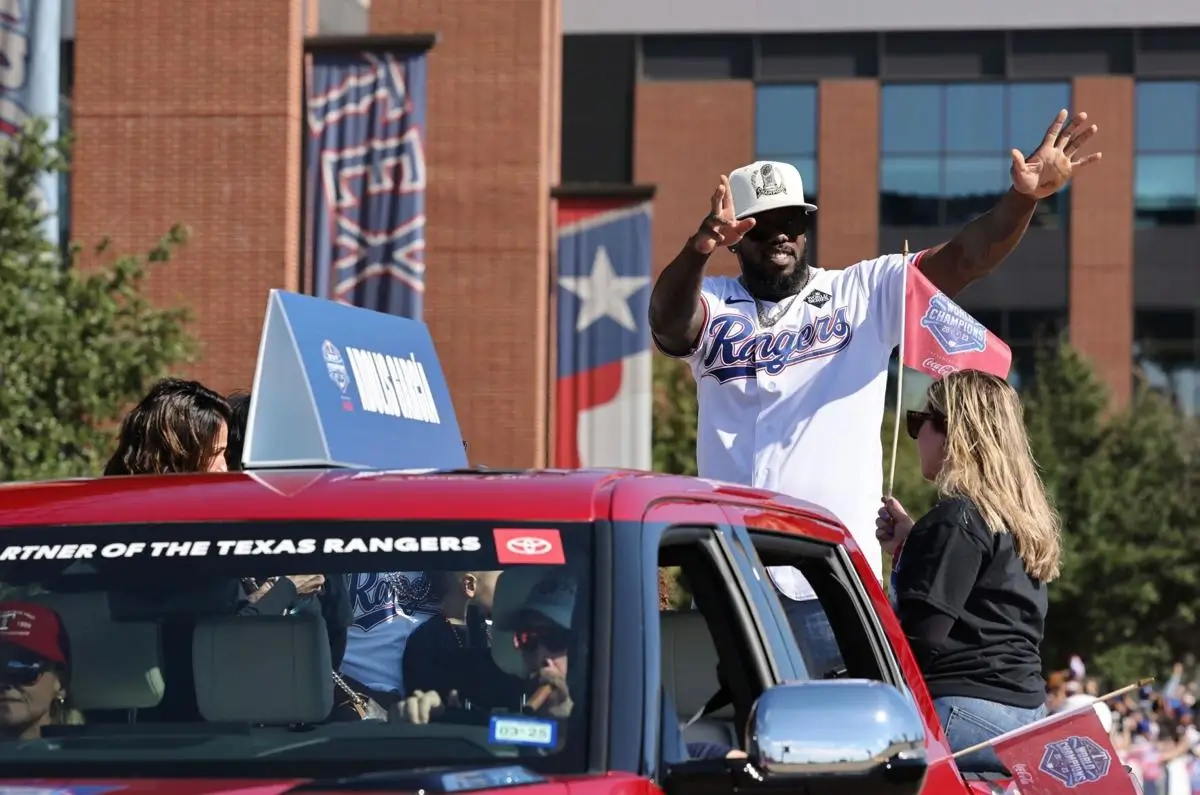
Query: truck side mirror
{"points": [[850, 730]]}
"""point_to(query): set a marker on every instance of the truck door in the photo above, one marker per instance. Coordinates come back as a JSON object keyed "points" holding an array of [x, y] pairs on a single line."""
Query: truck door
{"points": [[704, 633]]}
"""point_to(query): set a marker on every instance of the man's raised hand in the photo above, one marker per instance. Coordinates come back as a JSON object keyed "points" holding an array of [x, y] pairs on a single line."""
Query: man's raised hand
{"points": [[1056, 160], [719, 227]]}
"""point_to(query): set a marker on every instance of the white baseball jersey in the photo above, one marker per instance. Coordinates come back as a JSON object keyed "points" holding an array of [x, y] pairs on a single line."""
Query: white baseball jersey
{"points": [[796, 407]]}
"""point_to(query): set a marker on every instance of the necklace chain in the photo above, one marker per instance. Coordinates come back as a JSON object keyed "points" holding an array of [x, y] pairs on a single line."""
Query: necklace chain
{"points": [[768, 318]]}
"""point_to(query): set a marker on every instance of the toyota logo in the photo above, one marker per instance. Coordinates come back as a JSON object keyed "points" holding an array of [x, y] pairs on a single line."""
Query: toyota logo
{"points": [[527, 545]]}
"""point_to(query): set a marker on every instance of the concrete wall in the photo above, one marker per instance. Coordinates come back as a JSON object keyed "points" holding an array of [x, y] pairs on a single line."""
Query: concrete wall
{"points": [[779, 16]]}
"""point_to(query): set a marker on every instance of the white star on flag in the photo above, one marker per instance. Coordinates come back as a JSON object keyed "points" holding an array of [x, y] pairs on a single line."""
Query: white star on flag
{"points": [[604, 293]]}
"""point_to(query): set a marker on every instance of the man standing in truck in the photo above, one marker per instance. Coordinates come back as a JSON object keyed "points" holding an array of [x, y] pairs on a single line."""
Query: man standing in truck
{"points": [[790, 360]]}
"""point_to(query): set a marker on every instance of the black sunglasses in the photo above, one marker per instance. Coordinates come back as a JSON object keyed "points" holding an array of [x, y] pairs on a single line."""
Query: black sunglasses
{"points": [[22, 673], [552, 639], [791, 226], [915, 420]]}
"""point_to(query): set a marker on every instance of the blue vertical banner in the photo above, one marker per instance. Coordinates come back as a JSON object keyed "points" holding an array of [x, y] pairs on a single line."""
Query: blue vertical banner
{"points": [[30, 38], [604, 389], [366, 179]]}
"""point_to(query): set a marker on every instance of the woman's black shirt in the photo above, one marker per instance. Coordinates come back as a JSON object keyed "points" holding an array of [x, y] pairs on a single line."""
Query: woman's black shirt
{"points": [[952, 566]]}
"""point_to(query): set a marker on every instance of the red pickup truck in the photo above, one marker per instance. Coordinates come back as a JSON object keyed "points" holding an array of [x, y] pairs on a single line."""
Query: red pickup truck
{"points": [[175, 692]]}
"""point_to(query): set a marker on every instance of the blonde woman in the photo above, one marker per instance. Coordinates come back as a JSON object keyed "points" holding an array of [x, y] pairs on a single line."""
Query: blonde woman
{"points": [[970, 575]]}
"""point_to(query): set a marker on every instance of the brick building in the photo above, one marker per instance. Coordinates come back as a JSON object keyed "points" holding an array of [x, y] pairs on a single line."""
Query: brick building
{"points": [[899, 118]]}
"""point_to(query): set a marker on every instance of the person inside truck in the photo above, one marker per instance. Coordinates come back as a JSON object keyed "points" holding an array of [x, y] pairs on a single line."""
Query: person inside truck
{"points": [[35, 671], [451, 652], [541, 627], [971, 574]]}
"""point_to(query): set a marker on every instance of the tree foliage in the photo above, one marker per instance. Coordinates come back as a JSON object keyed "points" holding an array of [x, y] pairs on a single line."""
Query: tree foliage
{"points": [[79, 345], [1127, 485]]}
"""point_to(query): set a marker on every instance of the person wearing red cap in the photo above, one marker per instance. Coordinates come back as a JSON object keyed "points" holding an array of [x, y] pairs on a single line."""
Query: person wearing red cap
{"points": [[35, 664]]}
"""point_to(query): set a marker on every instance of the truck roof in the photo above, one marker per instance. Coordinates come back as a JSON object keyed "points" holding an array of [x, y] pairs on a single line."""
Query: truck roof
{"points": [[307, 494]]}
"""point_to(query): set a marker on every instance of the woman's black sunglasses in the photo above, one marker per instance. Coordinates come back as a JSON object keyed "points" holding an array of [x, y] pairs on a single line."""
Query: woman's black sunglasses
{"points": [[914, 421], [22, 673]]}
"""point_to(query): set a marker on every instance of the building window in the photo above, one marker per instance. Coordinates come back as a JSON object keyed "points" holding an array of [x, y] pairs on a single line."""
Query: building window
{"points": [[785, 130], [944, 148], [1166, 354], [1167, 152]]}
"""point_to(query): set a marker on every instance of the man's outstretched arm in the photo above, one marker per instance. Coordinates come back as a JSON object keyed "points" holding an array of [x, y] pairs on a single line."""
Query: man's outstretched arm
{"points": [[985, 242], [676, 308], [979, 246]]}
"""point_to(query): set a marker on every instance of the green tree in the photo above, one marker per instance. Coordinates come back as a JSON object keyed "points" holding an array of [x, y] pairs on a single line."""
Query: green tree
{"points": [[1126, 488], [79, 345], [674, 435]]}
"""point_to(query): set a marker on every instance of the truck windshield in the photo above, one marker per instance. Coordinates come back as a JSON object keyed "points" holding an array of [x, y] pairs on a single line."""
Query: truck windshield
{"points": [[160, 649]]}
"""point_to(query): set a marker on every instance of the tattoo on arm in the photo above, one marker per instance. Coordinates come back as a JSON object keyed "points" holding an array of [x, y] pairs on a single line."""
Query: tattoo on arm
{"points": [[979, 246]]}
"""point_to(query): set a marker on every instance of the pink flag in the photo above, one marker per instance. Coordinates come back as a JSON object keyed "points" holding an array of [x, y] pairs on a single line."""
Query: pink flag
{"points": [[941, 338], [1065, 754]]}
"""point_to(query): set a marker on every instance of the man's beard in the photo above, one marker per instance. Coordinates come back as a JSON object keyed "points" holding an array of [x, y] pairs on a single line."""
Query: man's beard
{"points": [[771, 285]]}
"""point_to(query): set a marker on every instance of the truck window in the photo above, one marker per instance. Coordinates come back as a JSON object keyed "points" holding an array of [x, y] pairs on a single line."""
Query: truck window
{"points": [[714, 666], [152, 628], [834, 631]]}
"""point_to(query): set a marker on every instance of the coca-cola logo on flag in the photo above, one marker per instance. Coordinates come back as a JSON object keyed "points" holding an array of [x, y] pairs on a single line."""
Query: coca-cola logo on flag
{"points": [[952, 328]]}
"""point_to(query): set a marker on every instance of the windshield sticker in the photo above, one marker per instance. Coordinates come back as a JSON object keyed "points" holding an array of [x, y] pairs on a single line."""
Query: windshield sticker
{"points": [[517, 546], [242, 548], [507, 730]]}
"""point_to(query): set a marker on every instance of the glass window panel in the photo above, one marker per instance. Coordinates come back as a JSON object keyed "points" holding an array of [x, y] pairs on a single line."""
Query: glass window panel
{"points": [[972, 184], [1165, 117], [1176, 325], [911, 176], [785, 120], [911, 119], [1031, 325], [910, 190], [1023, 369], [1165, 182], [975, 117], [807, 166], [971, 175], [1031, 108]]}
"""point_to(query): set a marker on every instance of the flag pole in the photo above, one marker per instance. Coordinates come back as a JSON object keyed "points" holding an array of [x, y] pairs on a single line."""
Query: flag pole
{"points": [[899, 377], [1106, 697]]}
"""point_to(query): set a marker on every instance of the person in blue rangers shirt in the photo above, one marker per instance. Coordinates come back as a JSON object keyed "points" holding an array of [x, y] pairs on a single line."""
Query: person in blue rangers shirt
{"points": [[387, 608], [970, 575]]}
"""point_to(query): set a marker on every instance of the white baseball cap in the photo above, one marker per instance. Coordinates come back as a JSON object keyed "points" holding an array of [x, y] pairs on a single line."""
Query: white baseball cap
{"points": [[766, 185]]}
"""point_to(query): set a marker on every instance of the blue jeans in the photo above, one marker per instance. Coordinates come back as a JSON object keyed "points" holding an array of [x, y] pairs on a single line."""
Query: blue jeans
{"points": [[814, 635], [969, 721]]}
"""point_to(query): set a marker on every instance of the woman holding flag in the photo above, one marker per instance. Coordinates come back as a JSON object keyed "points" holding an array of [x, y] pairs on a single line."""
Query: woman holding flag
{"points": [[969, 578]]}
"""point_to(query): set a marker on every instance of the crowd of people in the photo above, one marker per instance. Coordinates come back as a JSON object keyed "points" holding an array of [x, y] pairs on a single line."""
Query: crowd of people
{"points": [[1153, 729]]}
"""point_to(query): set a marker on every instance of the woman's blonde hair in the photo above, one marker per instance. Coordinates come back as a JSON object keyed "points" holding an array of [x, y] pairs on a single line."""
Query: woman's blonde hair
{"points": [[988, 460]]}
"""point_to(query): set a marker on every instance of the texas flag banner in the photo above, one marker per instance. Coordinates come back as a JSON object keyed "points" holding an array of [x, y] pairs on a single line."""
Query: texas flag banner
{"points": [[603, 395], [1065, 754], [940, 337]]}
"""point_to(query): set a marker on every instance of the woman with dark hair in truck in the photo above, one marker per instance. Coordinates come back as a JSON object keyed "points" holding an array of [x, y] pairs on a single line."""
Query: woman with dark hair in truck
{"points": [[185, 427], [179, 426], [970, 576]]}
